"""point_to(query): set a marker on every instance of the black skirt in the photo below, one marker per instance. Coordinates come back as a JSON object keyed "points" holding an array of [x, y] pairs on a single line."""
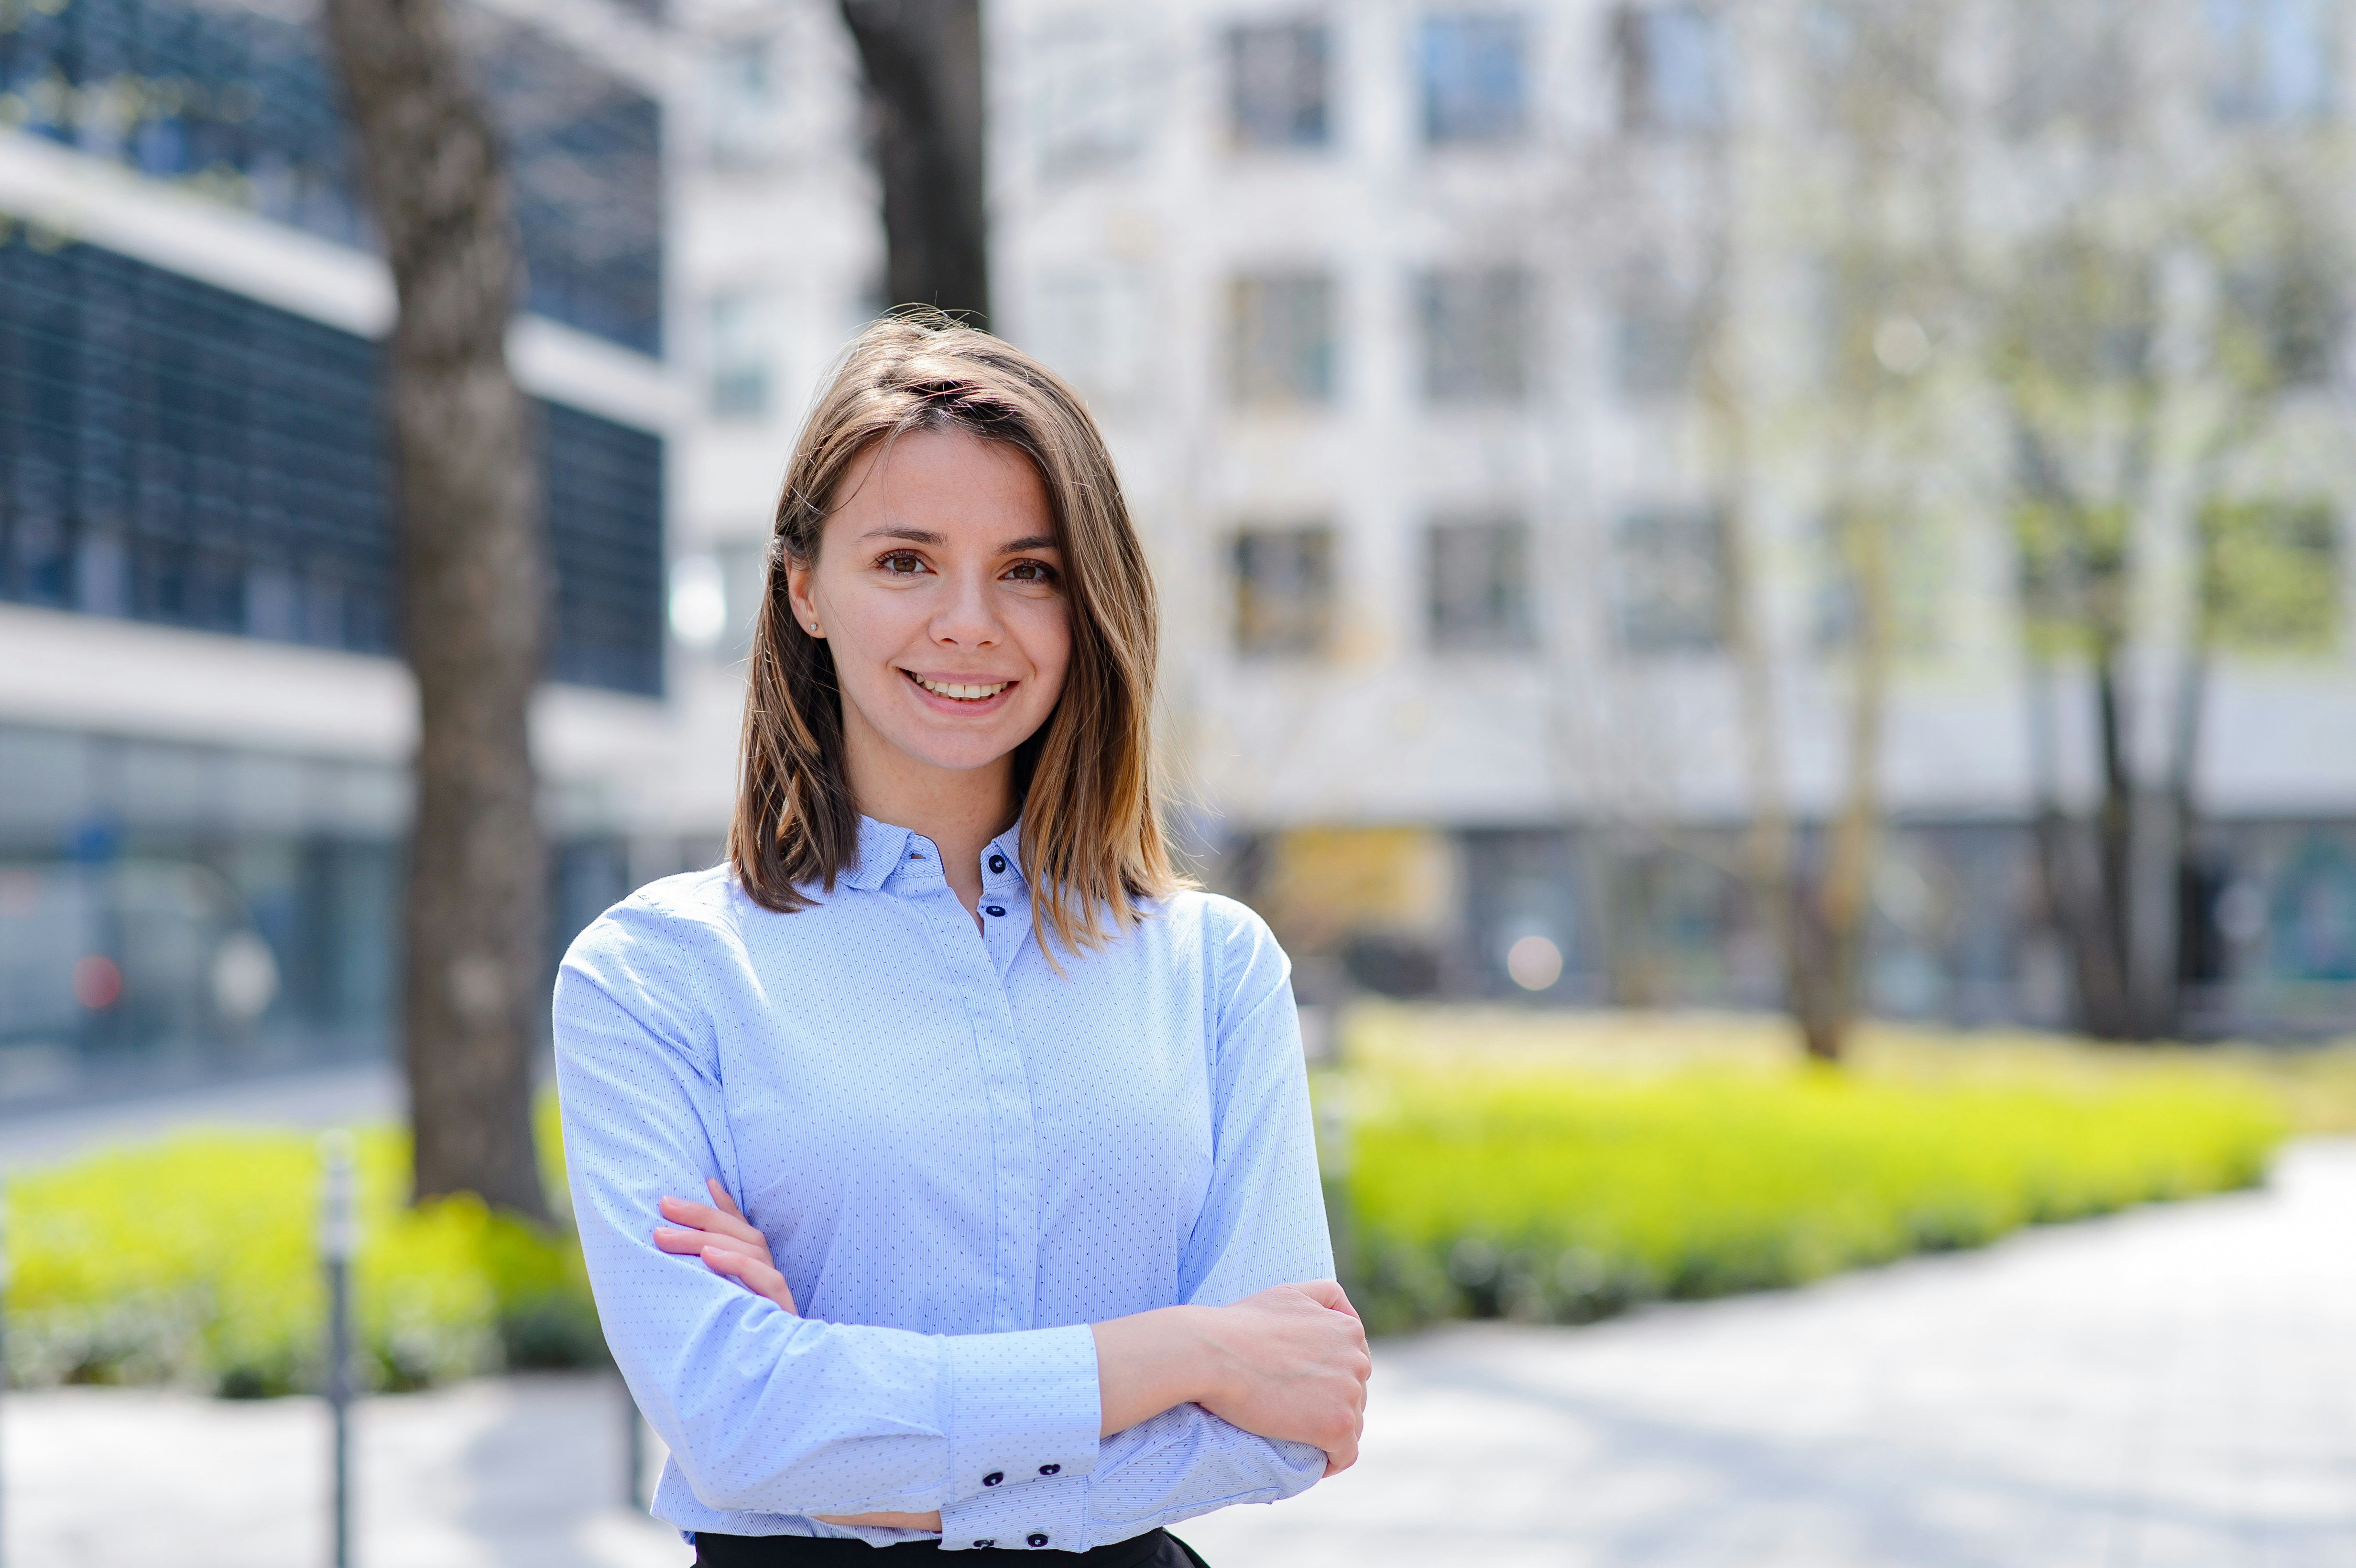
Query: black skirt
{"points": [[1155, 1549]]}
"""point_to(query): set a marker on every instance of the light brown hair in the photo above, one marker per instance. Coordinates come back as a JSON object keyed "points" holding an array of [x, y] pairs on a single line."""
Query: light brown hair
{"points": [[1092, 843]]}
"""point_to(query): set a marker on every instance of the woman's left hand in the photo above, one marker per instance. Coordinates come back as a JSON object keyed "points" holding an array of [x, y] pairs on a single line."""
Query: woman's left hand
{"points": [[726, 1242]]}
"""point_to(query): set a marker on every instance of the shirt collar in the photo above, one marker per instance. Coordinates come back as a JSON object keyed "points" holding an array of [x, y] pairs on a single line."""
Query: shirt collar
{"points": [[883, 848]]}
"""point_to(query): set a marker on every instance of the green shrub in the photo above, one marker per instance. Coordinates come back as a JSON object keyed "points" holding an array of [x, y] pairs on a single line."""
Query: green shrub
{"points": [[195, 1260], [1567, 1191]]}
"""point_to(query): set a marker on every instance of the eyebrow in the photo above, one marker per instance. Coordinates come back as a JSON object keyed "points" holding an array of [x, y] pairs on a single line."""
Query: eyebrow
{"points": [[925, 536]]}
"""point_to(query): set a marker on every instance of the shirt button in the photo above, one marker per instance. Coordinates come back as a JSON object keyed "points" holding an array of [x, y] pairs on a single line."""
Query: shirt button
{"points": [[996, 908], [992, 1479], [1037, 1538], [998, 862], [987, 1540], [1049, 1470]]}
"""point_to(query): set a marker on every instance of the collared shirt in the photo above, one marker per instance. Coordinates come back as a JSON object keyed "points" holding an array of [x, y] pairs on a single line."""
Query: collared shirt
{"points": [[961, 1159]]}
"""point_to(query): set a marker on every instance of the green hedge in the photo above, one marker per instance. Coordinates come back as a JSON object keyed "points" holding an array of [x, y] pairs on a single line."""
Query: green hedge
{"points": [[194, 1261], [1511, 1170], [1567, 1191]]}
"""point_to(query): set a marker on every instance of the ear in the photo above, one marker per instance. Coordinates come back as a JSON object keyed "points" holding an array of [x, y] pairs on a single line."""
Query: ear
{"points": [[797, 594]]}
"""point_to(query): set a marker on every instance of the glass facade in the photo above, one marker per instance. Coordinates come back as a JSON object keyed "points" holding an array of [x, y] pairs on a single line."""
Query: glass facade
{"points": [[242, 105], [177, 453], [173, 912]]}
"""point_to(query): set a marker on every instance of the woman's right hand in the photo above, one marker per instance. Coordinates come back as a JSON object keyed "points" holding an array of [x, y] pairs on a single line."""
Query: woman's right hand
{"points": [[1291, 1364]]}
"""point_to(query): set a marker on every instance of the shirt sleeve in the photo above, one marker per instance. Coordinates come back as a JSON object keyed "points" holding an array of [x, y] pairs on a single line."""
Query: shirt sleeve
{"points": [[1262, 1223], [766, 1412]]}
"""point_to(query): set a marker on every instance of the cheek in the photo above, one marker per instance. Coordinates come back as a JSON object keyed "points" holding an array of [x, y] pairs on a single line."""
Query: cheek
{"points": [[1048, 641]]}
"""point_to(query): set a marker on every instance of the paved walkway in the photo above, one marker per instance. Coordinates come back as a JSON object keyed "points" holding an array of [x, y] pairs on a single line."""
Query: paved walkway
{"points": [[2174, 1388]]}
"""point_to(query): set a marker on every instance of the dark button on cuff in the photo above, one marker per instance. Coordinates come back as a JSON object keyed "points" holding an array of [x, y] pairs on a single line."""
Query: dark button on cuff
{"points": [[995, 908], [1037, 1538], [998, 862], [987, 1540], [1049, 1470], [992, 1479]]}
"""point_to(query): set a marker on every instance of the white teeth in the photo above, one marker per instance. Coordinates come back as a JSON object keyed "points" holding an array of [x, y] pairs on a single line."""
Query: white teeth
{"points": [[963, 693]]}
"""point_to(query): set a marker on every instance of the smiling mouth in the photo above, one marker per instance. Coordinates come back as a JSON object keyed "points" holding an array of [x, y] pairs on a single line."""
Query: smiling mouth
{"points": [[956, 691]]}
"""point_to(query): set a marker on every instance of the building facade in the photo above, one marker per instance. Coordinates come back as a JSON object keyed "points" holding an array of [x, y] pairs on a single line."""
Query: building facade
{"points": [[204, 724], [1486, 375]]}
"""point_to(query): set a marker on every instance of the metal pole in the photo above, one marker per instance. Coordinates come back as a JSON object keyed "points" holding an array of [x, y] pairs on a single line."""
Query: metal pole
{"points": [[338, 1240], [634, 1450]]}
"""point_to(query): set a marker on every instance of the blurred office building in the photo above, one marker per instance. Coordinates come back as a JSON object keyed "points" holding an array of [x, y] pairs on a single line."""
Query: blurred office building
{"points": [[1571, 433], [1526, 399], [204, 728]]}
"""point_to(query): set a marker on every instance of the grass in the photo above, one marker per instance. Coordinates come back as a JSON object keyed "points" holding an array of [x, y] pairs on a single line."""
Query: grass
{"points": [[1545, 1167], [1563, 1169]]}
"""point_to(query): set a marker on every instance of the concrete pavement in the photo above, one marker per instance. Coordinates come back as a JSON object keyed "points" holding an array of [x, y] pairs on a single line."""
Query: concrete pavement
{"points": [[2174, 1388]]}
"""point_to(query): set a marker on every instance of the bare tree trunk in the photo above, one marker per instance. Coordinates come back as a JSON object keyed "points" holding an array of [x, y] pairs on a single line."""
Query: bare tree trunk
{"points": [[923, 64], [474, 591], [1845, 896]]}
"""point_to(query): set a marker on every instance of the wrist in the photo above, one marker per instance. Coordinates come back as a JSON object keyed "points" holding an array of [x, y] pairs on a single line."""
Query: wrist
{"points": [[1206, 1356], [1158, 1360]]}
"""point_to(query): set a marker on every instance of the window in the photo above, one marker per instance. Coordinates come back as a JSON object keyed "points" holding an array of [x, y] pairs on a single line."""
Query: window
{"points": [[1094, 90], [180, 453], [1914, 574], [1672, 70], [1278, 84], [249, 92], [1479, 576], [1668, 582], [1476, 86], [2071, 64], [2270, 60], [740, 103], [1284, 591], [2282, 323], [1476, 335], [1281, 338], [1092, 325], [736, 357], [2270, 576], [1652, 345]]}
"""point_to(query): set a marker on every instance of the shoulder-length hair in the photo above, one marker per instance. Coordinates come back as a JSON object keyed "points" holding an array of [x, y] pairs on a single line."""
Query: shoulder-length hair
{"points": [[1092, 842]]}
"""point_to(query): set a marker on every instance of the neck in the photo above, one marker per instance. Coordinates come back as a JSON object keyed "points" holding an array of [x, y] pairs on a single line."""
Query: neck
{"points": [[959, 809]]}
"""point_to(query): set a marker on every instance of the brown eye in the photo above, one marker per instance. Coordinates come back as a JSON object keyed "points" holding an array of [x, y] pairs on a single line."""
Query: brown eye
{"points": [[902, 563], [1031, 571]]}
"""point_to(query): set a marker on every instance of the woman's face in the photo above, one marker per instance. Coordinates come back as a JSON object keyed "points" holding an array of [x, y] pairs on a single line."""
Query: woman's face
{"points": [[940, 590]]}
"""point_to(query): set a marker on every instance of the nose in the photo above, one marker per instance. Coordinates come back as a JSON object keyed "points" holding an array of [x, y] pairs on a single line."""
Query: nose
{"points": [[967, 616]]}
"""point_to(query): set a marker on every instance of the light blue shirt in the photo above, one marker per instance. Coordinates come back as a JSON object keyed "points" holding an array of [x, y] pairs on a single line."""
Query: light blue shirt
{"points": [[961, 1159]]}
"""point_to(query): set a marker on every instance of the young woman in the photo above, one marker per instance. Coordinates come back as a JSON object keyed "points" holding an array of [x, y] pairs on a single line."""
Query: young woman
{"points": [[1014, 1238]]}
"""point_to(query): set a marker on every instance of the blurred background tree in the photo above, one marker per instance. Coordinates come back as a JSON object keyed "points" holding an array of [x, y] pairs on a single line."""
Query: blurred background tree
{"points": [[2148, 324], [473, 590], [922, 64]]}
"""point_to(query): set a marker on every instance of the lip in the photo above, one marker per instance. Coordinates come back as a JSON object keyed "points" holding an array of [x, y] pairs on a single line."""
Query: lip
{"points": [[966, 707]]}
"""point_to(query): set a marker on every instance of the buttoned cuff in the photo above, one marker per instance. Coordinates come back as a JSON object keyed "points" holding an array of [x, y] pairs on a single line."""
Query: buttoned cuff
{"points": [[1043, 1512], [1023, 1407]]}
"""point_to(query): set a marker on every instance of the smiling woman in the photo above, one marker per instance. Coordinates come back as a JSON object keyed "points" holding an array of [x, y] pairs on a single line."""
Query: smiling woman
{"points": [[1013, 1237]]}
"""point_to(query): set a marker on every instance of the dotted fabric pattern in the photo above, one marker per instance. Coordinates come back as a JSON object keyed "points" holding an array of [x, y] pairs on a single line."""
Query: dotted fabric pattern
{"points": [[961, 1158]]}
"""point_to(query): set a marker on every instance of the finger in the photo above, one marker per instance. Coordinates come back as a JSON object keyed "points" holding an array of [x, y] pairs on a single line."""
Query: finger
{"points": [[754, 1276], [704, 1217], [674, 1238], [1327, 1293], [1340, 1459], [720, 1196]]}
